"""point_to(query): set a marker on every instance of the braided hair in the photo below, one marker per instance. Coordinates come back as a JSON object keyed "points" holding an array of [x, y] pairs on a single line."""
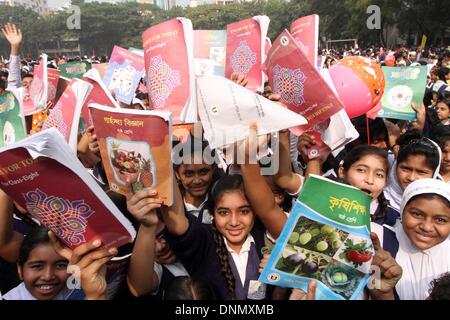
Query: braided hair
{"points": [[225, 184]]}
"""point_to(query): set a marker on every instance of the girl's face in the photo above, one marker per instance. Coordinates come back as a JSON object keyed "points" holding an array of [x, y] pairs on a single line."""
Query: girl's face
{"points": [[443, 111], [413, 168], [445, 163], [426, 222], [44, 273], [195, 178], [367, 174], [234, 218]]}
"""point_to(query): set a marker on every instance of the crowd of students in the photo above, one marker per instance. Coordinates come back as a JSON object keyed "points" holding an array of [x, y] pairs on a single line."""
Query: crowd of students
{"points": [[213, 242]]}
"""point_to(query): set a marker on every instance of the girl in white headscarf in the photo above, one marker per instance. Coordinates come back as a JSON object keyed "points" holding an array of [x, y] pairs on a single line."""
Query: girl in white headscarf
{"points": [[420, 241]]}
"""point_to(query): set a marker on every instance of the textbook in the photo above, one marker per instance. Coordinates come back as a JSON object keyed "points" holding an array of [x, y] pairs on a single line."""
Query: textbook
{"points": [[210, 52], [404, 86], [52, 80], [65, 115], [101, 68], [124, 72], [300, 85], [12, 122], [74, 69], [99, 94], [305, 31], [226, 110], [43, 176], [246, 42], [326, 238], [135, 146], [169, 67], [36, 99]]}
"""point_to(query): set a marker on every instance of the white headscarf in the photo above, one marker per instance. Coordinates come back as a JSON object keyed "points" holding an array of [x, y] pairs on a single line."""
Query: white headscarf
{"points": [[420, 267]]}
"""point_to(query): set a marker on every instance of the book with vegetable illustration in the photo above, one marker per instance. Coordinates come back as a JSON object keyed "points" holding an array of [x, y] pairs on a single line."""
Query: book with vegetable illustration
{"points": [[135, 146], [327, 238]]}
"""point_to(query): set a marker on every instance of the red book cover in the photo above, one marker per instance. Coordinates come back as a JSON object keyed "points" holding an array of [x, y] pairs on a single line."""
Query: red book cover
{"points": [[52, 80], [65, 115], [99, 94], [245, 48], [32, 173], [300, 85], [167, 67], [305, 31], [135, 146]]}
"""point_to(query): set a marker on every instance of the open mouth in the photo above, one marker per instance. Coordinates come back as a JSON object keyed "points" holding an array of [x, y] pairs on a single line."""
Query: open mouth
{"points": [[367, 191], [46, 288]]}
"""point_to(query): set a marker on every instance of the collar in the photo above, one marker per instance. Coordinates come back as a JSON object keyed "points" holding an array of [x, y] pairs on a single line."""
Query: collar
{"points": [[191, 207], [245, 246]]}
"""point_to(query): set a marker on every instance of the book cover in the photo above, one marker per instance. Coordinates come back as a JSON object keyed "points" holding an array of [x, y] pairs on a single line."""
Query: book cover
{"points": [[305, 31], [245, 51], [33, 171], [36, 98], [326, 238], [210, 52], [52, 79], [300, 85], [65, 115], [99, 94], [74, 69], [167, 68], [12, 123], [124, 72], [101, 68], [226, 110], [135, 146], [404, 86]]}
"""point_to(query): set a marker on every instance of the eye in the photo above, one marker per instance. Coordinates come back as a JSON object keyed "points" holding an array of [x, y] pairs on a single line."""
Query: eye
{"points": [[204, 172], [61, 265], [36, 266], [245, 211], [360, 170], [189, 174], [222, 212], [380, 175], [441, 220], [416, 214]]}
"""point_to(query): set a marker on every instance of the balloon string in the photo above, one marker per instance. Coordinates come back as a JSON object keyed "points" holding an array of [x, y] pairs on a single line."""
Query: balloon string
{"points": [[368, 132]]}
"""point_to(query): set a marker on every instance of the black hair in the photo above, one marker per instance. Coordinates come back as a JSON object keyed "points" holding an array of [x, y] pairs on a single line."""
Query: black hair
{"points": [[225, 184], [440, 134], [188, 288], [357, 154], [440, 288], [442, 73], [445, 98], [423, 147], [27, 75], [405, 138], [2, 84], [377, 132], [37, 236]]}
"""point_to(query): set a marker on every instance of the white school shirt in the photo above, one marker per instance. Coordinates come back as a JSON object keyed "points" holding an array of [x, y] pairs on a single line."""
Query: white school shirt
{"points": [[420, 267], [21, 293], [195, 211], [240, 259]]}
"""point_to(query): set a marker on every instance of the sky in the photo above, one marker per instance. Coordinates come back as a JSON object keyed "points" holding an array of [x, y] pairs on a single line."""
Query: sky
{"points": [[59, 3]]}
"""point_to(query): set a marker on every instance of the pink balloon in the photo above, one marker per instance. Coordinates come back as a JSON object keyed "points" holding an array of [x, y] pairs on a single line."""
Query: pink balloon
{"points": [[353, 92]]}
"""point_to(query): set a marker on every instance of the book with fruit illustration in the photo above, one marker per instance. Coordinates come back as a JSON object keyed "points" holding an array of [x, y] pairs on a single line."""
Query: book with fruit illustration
{"points": [[326, 238], [404, 86], [135, 146]]}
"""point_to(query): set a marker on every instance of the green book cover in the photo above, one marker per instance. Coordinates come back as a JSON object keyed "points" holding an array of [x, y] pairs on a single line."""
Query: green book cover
{"points": [[404, 86], [75, 69], [12, 124]]}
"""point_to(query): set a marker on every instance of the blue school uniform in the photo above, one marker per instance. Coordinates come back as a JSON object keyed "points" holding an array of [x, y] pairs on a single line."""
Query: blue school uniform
{"points": [[196, 249]]}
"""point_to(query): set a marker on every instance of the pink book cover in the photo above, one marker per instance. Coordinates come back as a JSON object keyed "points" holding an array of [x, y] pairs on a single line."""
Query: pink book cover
{"points": [[33, 101], [244, 52], [52, 80], [135, 146], [74, 212], [97, 95], [305, 31], [167, 67], [299, 84], [101, 68]]}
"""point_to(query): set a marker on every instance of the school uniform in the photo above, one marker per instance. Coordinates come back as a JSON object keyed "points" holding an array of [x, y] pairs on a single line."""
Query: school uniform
{"points": [[201, 212], [21, 293], [196, 249]]}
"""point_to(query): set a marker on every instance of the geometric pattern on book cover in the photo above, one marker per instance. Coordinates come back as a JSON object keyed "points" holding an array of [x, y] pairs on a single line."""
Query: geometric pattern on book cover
{"points": [[242, 59], [163, 80], [68, 219], [55, 119], [289, 84]]}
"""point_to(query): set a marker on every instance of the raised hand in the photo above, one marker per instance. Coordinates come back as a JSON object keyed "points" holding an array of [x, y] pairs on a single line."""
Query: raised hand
{"points": [[239, 79], [142, 205], [390, 272], [14, 37], [299, 294], [89, 261]]}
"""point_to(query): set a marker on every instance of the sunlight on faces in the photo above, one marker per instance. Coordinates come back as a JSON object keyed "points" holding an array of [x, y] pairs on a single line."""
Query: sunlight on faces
{"points": [[44, 273], [413, 168], [367, 174], [426, 221], [234, 218]]}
